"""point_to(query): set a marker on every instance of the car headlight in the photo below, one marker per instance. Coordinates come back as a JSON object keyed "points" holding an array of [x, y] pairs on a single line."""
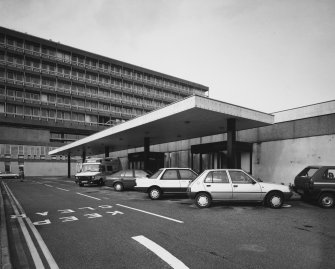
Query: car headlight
{"points": [[93, 177]]}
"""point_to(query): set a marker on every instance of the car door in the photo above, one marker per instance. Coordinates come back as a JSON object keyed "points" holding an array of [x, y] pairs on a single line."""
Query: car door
{"points": [[169, 181], [218, 185], [245, 188], [128, 178], [186, 177]]}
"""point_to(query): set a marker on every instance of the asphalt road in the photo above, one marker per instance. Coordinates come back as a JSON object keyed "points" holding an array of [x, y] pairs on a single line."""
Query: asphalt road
{"points": [[96, 227]]}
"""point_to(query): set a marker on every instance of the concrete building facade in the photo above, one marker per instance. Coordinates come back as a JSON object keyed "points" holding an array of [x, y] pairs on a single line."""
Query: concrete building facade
{"points": [[52, 94], [299, 137]]}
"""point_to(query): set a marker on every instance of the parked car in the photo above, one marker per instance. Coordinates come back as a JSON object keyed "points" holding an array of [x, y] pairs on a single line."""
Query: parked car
{"points": [[166, 181], [235, 185], [317, 183], [125, 179], [8, 175]]}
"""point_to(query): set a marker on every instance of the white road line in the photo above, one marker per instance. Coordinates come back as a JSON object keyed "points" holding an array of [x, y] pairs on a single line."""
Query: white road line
{"points": [[51, 261], [62, 189], [160, 252], [143, 211], [88, 196], [48, 185]]}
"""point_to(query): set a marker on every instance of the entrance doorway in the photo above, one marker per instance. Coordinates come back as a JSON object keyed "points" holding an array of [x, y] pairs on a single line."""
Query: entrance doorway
{"points": [[214, 156]]}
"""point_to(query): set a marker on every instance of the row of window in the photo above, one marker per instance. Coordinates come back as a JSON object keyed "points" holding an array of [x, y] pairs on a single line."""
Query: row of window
{"points": [[91, 63], [21, 110], [77, 102], [75, 88], [15, 150]]}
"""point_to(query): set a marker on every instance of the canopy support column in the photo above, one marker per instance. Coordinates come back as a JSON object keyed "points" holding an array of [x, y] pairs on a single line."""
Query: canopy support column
{"points": [[83, 156], [69, 165], [146, 153], [231, 139], [106, 151]]}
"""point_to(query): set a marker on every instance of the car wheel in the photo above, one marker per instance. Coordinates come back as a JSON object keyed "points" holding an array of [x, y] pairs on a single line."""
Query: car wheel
{"points": [[155, 193], [81, 184], [326, 200], [118, 187], [203, 200], [275, 200]]}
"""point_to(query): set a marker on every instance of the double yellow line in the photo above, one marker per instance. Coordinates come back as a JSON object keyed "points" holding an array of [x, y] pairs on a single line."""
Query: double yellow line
{"points": [[25, 224]]}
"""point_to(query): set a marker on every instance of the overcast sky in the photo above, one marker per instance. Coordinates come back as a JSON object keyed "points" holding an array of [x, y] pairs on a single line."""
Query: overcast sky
{"points": [[268, 55]]}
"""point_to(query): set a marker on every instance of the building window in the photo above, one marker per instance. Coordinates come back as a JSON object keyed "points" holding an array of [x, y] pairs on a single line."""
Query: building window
{"points": [[10, 109]]}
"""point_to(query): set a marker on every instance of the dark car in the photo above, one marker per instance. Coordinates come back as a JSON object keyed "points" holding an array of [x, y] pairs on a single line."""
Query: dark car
{"points": [[125, 179], [317, 183], [8, 175]]}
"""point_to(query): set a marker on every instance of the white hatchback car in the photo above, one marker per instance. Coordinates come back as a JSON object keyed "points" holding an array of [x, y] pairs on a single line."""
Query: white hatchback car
{"points": [[235, 185], [166, 181]]}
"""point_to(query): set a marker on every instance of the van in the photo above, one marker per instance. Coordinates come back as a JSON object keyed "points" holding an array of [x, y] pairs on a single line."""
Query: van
{"points": [[95, 170]]}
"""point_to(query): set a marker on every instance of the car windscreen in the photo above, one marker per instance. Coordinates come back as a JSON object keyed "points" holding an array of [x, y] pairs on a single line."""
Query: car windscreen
{"points": [[155, 175], [91, 168], [308, 172], [140, 173]]}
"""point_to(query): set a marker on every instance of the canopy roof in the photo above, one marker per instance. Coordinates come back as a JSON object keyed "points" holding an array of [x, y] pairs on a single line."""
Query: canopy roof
{"points": [[195, 116]]}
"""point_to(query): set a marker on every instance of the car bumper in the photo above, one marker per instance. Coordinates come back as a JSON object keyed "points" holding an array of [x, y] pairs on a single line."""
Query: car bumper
{"points": [[141, 189], [191, 195], [287, 195], [88, 181]]}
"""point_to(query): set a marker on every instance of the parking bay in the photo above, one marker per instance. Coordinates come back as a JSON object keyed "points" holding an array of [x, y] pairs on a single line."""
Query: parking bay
{"points": [[98, 222]]}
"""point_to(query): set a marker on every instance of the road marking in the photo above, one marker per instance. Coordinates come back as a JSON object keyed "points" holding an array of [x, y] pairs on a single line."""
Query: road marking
{"points": [[160, 252], [143, 211], [88, 196], [35, 255], [48, 185], [62, 189]]}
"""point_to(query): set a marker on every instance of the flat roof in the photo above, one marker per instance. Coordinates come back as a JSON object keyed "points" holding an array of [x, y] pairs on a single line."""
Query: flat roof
{"points": [[192, 117]]}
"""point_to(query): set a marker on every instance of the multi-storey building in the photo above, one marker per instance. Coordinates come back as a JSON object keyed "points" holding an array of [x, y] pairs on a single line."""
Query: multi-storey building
{"points": [[51, 94]]}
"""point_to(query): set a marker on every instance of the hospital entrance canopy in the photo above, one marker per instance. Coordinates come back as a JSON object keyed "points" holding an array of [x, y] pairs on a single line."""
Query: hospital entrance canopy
{"points": [[192, 117]]}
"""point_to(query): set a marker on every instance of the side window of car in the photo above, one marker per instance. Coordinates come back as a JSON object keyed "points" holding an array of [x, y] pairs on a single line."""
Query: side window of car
{"points": [[217, 177], [329, 174], [187, 174], [109, 168], [128, 173], [170, 174], [240, 177]]}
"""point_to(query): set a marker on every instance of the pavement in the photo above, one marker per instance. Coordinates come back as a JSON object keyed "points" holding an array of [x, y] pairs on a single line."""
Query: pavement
{"points": [[5, 255]]}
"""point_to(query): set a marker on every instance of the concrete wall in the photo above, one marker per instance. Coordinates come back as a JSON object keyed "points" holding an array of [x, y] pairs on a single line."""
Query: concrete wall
{"points": [[43, 168], [280, 161]]}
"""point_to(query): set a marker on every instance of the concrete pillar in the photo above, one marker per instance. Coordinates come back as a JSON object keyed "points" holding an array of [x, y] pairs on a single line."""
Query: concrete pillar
{"points": [[83, 156], [146, 153], [231, 139], [106, 151], [69, 165]]}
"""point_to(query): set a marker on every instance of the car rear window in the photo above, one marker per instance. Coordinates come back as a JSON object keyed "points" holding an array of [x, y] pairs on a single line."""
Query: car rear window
{"points": [[187, 174], [118, 174], [308, 172]]}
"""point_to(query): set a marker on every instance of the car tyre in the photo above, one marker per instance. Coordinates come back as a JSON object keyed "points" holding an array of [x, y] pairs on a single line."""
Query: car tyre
{"points": [[155, 193], [118, 186], [326, 200], [275, 200], [203, 200], [81, 184]]}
